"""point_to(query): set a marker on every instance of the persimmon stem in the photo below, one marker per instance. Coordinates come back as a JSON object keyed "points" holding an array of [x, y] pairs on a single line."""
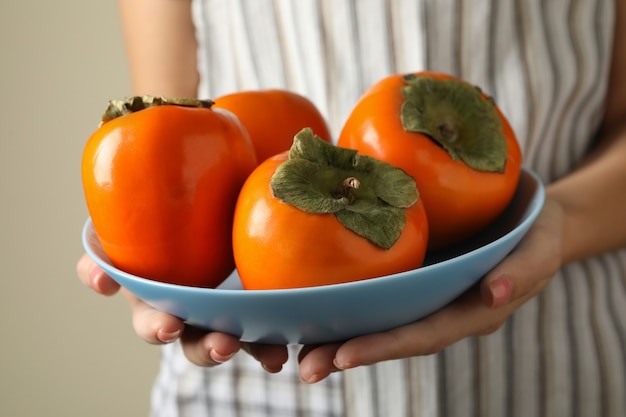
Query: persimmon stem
{"points": [[448, 131], [349, 184]]}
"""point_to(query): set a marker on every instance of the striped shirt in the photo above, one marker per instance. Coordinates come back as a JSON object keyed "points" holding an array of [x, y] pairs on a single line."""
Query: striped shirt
{"points": [[546, 64]]}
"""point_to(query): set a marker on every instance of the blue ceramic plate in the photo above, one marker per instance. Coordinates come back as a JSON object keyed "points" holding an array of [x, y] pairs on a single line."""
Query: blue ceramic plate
{"points": [[338, 312]]}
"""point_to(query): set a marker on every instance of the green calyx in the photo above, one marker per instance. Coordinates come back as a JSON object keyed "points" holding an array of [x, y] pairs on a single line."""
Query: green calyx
{"points": [[118, 108], [367, 196], [457, 117]]}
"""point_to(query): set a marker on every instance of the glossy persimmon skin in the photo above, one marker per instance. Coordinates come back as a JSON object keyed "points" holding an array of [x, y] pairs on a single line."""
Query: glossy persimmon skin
{"points": [[273, 117], [161, 186], [459, 201], [278, 246]]}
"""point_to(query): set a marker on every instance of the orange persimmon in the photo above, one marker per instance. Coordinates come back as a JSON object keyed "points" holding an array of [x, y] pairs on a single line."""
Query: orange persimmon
{"points": [[320, 215], [161, 178], [451, 137], [272, 117]]}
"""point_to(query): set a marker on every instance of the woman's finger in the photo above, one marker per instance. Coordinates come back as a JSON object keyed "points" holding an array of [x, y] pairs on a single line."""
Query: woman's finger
{"points": [[317, 362], [531, 266], [467, 316], [94, 277], [208, 349], [153, 326], [271, 357]]}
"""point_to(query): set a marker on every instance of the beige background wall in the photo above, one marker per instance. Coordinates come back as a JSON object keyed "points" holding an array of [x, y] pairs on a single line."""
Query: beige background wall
{"points": [[64, 351]]}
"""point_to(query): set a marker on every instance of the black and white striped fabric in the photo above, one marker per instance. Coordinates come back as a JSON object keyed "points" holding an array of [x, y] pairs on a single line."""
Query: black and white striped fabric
{"points": [[546, 64]]}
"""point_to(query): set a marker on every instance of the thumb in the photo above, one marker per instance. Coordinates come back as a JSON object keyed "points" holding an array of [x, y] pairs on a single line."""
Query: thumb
{"points": [[529, 267]]}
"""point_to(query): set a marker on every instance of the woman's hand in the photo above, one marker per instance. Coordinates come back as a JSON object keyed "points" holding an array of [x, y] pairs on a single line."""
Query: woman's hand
{"points": [[200, 347], [480, 311]]}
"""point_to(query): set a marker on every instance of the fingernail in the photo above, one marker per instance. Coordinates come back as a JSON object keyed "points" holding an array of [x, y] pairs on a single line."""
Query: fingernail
{"points": [[501, 290], [344, 365], [220, 358], [272, 370], [94, 275], [312, 379], [168, 337]]}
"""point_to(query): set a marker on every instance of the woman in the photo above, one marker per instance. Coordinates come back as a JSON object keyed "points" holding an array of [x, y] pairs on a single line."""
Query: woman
{"points": [[545, 331]]}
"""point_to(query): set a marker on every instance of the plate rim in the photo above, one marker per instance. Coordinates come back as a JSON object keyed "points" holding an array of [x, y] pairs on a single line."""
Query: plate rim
{"points": [[538, 200]]}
